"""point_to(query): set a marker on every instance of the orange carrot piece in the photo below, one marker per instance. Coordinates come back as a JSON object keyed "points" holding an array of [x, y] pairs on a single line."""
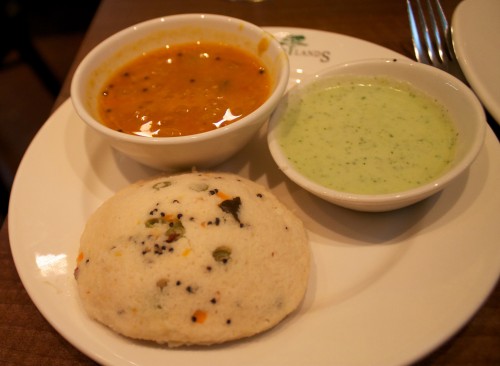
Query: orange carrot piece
{"points": [[199, 316]]}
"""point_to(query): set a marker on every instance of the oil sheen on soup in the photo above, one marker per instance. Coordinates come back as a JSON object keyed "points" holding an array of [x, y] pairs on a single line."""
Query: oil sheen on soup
{"points": [[367, 135], [183, 90]]}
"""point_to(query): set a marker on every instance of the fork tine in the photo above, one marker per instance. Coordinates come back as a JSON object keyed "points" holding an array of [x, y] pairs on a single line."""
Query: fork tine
{"points": [[438, 44], [446, 31], [417, 37]]}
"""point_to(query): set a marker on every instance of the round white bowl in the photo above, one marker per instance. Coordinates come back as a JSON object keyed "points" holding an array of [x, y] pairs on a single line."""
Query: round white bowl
{"points": [[203, 150], [464, 109]]}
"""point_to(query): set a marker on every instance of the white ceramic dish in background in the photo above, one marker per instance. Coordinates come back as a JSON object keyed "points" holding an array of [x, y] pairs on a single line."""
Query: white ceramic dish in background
{"points": [[464, 108], [385, 289], [201, 150], [476, 39]]}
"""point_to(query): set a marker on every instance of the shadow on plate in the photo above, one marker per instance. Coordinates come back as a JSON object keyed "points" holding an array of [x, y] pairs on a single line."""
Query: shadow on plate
{"points": [[337, 225]]}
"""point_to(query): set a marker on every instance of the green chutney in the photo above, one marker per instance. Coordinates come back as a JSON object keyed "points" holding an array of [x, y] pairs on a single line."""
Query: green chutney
{"points": [[367, 135]]}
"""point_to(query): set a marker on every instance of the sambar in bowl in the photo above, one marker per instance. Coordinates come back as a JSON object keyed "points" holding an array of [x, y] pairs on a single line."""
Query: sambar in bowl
{"points": [[182, 91]]}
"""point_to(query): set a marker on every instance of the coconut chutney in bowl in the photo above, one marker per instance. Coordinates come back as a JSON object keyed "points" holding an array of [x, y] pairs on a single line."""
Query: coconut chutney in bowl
{"points": [[376, 135]]}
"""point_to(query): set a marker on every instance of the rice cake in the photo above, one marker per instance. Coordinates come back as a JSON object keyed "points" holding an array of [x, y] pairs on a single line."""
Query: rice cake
{"points": [[192, 259]]}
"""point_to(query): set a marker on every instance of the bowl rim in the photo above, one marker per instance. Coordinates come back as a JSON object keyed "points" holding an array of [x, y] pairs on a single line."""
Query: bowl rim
{"points": [[372, 200], [282, 78]]}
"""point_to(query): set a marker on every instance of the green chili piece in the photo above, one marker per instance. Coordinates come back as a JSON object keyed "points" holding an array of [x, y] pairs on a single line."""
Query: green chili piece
{"points": [[222, 254], [152, 222], [199, 187], [161, 185], [175, 231]]}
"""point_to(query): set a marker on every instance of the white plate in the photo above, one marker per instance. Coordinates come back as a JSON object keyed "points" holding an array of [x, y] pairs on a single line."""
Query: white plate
{"points": [[476, 39], [385, 289]]}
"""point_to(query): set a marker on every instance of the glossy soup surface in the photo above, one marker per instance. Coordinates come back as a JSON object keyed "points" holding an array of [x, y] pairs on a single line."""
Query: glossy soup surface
{"points": [[183, 90], [367, 135]]}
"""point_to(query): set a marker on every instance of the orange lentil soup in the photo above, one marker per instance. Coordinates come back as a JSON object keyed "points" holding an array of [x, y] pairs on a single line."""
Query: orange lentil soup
{"points": [[183, 90]]}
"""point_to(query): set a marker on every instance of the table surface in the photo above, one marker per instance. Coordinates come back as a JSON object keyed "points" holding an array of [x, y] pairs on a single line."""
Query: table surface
{"points": [[26, 338]]}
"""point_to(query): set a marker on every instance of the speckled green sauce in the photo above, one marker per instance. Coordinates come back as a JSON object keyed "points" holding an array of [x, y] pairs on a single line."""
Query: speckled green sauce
{"points": [[367, 135]]}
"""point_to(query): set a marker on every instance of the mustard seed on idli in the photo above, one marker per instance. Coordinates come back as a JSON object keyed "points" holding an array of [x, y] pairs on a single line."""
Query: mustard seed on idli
{"points": [[192, 259]]}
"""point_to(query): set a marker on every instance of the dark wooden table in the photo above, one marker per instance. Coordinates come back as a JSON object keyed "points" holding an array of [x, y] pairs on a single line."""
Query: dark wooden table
{"points": [[26, 338]]}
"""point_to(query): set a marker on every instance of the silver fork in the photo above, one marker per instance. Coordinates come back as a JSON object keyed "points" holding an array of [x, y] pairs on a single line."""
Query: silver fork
{"points": [[431, 36]]}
